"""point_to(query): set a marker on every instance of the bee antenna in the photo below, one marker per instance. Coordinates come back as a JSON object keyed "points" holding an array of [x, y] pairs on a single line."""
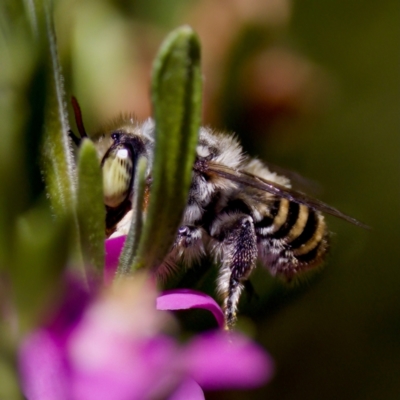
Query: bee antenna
{"points": [[78, 118]]}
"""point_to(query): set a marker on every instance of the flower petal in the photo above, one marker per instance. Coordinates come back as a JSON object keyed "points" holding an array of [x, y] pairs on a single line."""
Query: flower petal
{"points": [[113, 250], [188, 389], [185, 299], [140, 369], [42, 367], [221, 360], [68, 314]]}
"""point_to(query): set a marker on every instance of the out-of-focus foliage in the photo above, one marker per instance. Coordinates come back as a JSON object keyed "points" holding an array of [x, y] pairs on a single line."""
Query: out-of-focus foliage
{"points": [[33, 245], [90, 210]]}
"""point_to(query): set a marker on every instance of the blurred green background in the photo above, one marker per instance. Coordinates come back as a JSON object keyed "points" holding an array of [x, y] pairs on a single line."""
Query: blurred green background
{"points": [[312, 86]]}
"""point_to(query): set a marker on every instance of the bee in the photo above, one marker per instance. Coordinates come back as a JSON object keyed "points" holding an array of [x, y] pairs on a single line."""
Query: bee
{"points": [[237, 209]]}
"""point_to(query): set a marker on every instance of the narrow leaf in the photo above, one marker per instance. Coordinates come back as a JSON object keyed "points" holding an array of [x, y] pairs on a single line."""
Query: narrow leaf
{"points": [[58, 166], [91, 212], [32, 14], [176, 97], [132, 240], [57, 158], [40, 255]]}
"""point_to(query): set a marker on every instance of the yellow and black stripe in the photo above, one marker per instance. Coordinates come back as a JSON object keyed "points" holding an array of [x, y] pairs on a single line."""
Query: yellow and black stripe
{"points": [[299, 230]]}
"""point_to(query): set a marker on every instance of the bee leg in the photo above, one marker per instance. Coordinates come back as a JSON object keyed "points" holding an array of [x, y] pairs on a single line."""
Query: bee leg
{"points": [[188, 235], [188, 244], [188, 247], [239, 255]]}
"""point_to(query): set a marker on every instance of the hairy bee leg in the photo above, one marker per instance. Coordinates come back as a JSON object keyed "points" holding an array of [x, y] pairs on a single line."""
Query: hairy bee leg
{"points": [[188, 235], [231, 302], [188, 245], [239, 255]]}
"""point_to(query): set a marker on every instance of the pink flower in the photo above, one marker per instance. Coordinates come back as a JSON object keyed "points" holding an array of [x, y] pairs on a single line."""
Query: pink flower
{"points": [[116, 346]]}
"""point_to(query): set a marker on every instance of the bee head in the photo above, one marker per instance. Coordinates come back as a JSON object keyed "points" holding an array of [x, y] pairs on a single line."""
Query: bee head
{"points": [[118, 149], [118, 165]]}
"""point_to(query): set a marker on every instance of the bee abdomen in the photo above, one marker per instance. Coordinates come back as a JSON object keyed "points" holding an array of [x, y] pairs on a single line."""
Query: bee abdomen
{"points": [[292, 239]]}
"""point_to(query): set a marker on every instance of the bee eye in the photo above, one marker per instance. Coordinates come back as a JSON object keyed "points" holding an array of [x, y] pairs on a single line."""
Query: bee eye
{"points": [[117, 169], [115, 136]]}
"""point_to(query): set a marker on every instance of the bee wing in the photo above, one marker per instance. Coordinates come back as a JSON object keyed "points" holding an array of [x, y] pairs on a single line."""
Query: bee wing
{"points": [[276, 189], [298, 181]]}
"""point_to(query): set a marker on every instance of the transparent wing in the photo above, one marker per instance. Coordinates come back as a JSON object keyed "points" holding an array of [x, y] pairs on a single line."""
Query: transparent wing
{"points": [[274, 188], [297, 181]]}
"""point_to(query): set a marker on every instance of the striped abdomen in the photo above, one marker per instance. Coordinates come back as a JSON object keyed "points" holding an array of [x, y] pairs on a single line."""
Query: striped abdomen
{"points": [[293, 238]]}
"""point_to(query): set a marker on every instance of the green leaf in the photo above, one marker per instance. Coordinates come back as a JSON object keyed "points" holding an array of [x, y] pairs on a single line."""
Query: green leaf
{"points": [[176, 96], [91, 211], [57, 158], [20, 72], [32, 15], [58, 166], [9, 388], [40, 255], [126, 260]]}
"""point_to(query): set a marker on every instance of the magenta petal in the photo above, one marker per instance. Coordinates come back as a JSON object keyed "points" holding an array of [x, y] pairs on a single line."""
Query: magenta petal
{"points": [[188, 389], [43, 371], [113, 250], [143, 371], [185, 299], [222, 360]]}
